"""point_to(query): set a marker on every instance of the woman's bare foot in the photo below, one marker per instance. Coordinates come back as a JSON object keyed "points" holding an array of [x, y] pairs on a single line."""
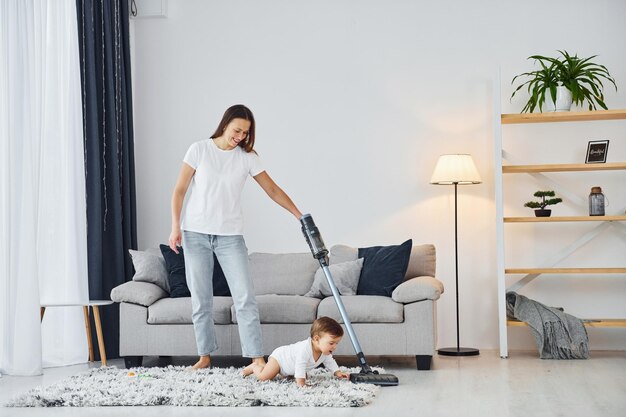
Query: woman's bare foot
{"points": [[203, 362]]}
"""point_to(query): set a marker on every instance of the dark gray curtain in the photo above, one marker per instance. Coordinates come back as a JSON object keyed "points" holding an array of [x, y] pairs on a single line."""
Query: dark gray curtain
{"points": [[109, 156]]}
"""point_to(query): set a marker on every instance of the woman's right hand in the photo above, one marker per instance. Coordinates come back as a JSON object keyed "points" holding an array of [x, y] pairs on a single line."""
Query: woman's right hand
{"points": [[175, 240], [184, 179]]}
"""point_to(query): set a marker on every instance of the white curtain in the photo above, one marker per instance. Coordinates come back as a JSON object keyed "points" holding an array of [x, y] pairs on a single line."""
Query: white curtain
{"points": [[43, 254]]}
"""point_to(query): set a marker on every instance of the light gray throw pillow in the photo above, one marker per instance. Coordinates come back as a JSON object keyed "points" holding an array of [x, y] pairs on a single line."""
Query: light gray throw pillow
{"points": [[150, 267], [142, 293], [417, 289], [342, 253], [345, 275]]}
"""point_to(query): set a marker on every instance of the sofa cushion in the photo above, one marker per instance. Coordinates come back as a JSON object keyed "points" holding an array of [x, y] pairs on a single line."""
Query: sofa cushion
{"points": [[422, 262], [363, 309], [178, 311], [285, 274], [149, 267], [342, 253], [284, 309], [384, 268], [418, 289], [345, 276], [136, 292]]}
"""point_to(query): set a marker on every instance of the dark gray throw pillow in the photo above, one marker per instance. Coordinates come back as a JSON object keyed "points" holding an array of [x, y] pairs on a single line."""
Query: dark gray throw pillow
{"points": [[175, 264], [383, 268]]}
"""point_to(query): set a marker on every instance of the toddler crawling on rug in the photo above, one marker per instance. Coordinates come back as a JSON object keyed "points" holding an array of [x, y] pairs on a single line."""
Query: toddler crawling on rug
{"points": [[299, 358]]}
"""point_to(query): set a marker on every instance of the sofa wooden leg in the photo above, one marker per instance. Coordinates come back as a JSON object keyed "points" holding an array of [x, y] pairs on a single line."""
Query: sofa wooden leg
{"points": [[132, 361], [423, 362]]}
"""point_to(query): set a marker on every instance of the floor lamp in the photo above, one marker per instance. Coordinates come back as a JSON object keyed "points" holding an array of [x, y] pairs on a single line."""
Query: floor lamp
{"points": [[456, 170]]}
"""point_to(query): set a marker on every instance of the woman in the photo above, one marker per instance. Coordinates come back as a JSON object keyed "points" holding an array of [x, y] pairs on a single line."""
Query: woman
{"points": [[216, 169]]}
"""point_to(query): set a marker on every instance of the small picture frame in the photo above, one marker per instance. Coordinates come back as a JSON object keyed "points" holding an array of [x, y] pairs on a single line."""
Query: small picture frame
{"points": [[596, 151]]}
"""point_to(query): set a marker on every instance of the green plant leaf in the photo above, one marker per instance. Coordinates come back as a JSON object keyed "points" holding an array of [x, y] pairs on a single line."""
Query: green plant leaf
{"points": [[583, 77]]}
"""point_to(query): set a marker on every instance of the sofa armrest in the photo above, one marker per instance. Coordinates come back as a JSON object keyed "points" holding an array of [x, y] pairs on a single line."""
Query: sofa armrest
{"points": [[418, 289], [137, 292]]}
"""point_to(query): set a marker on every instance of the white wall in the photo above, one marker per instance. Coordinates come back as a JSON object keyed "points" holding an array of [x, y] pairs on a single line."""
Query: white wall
{"points": [[354, 102]]}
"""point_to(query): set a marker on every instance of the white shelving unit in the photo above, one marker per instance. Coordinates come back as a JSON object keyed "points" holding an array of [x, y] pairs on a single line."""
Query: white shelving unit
{"points": [[506, 276]]}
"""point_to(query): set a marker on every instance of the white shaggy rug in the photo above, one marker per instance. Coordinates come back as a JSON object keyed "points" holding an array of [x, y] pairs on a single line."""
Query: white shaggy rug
{"points": [[180, 386]]}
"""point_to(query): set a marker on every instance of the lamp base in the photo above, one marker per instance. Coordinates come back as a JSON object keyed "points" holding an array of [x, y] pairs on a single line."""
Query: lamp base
{"points": [[462, 351]]}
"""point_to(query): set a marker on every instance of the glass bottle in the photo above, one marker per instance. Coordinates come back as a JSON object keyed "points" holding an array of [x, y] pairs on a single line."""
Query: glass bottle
{"points": [[596, 202]]}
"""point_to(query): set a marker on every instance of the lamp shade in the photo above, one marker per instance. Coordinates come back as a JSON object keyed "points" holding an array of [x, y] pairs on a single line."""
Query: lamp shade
{"points": [[455, 169]]}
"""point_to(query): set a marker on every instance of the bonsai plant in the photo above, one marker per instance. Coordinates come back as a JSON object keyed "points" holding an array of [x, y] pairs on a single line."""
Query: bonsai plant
{"points": [[581, 77], [540, 206]]}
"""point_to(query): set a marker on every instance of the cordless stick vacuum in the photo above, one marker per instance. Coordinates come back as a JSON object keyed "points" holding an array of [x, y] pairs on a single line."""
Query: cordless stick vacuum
{"points": [[316, 243]]}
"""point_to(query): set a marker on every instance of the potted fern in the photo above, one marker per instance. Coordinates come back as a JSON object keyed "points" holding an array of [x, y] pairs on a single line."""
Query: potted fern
{"points": [[563, 81], [540, 206]]}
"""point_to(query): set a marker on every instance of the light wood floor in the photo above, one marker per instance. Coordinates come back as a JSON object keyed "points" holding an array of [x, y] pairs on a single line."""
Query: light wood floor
{"points": [[486, 385]]}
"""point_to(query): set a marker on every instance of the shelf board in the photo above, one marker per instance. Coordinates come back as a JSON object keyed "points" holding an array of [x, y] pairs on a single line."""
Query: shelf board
{"points": [[565, 271], [564, 219], [516, 169], [568, 116], [587, 322]]}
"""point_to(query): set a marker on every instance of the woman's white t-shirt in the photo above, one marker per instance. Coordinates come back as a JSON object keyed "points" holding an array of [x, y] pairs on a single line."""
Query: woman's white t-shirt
{"points": [[297, 359], [214, 202]]}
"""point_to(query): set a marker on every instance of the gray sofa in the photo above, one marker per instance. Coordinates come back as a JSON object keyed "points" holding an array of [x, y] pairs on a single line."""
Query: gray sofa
{"points": [[153, 324]]}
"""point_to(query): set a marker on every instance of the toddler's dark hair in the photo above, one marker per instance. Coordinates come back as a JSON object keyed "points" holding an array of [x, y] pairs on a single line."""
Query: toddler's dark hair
{"points": [[326, 325]]}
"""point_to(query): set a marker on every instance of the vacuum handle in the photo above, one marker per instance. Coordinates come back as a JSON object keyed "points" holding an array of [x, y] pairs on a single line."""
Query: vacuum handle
{"points": [[319, 251], [346, 320], [313, 237]]}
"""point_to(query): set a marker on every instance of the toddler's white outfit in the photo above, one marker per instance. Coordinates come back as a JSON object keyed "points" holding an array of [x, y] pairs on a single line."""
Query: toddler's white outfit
{"points": [[297, 359]]}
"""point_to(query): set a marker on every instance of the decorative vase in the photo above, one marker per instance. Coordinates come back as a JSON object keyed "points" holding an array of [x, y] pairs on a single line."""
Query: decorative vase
{"points": [[563, 100], [543, 212]]}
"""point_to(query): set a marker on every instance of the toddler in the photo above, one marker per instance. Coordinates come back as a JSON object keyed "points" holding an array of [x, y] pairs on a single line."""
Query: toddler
{"points": [[299, 358]]}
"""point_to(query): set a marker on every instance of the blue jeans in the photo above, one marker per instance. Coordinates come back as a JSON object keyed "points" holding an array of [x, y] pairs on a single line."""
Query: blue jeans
{"points": [[232, 254]]}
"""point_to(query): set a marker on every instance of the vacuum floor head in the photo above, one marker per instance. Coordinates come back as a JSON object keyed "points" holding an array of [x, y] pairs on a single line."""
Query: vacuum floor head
{"points": [[374, 378]]}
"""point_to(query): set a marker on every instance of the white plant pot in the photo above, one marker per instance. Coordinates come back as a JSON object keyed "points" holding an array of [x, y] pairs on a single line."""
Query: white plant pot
{"points": [[563, 100]]}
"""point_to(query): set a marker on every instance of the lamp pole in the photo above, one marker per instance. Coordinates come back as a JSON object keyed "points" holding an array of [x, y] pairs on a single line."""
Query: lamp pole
{"points": [[458, 351], [456, 266]]}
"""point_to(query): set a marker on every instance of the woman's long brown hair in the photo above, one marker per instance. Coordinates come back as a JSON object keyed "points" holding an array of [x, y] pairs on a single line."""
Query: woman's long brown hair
{"points": [[238, 111]]}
